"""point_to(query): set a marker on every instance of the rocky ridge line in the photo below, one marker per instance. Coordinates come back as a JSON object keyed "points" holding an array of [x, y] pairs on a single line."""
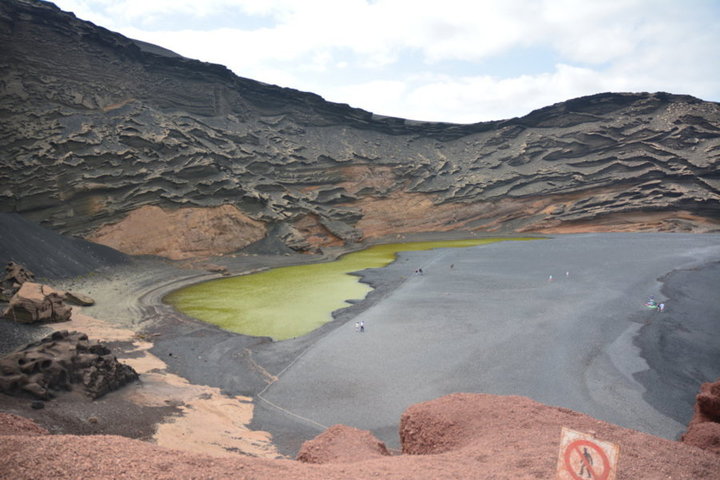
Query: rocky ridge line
{"points": [[97, 126]]}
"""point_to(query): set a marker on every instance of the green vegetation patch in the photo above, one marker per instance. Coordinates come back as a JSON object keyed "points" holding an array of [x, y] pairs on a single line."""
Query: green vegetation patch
{"points": [[290, 302]]}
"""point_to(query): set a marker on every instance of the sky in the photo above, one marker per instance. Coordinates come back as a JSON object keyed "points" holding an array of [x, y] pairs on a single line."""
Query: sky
{"points": [[460, 61]]}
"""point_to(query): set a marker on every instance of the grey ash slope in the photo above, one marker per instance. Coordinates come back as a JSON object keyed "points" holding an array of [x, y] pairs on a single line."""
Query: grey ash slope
{"points": [[95, 126], [48, 254]]}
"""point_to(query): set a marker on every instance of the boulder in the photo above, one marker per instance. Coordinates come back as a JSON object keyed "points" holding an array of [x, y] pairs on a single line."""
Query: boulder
{"points": [[15, 276], [79, 299], [34, 302], [211, 267], [60, 362], [342, 444]]}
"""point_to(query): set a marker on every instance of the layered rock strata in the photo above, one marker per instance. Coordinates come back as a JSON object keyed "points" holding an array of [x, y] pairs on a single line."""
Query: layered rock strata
{"points": [[97, 128]]}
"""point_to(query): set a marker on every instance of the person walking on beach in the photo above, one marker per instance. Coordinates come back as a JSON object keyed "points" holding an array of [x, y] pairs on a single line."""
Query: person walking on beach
{"points": [[357, 326], [362, 326], [661, 307]]}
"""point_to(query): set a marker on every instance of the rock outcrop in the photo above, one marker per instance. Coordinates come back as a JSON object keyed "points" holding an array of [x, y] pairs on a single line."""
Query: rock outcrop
{"points": [[37, 303], [704, 428], [182, 233], [61, 362], [116, 127], [342, 444], [15, 276]]}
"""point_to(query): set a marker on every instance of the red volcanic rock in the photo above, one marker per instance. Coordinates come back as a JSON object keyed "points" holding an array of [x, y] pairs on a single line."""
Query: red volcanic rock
{"points": [[37, 303], [492, 437], [708, 401], [13, 425], [181, 233], [704, 435], [342, 444], [704, 428]]}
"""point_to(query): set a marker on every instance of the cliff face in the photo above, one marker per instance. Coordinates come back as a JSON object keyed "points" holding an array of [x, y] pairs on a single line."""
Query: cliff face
{"points": [[96, 126]]}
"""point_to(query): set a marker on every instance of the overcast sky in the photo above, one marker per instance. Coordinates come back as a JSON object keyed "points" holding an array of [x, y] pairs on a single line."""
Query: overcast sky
{"points": [[458, 61]]}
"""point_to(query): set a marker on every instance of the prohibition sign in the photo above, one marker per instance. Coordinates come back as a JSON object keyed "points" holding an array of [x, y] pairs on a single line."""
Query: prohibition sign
{"points": [[596, 472], [584, 457]]}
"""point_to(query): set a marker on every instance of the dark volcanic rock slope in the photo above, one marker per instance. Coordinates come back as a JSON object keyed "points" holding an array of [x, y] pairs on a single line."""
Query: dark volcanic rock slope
{"points": [[111, 139]]}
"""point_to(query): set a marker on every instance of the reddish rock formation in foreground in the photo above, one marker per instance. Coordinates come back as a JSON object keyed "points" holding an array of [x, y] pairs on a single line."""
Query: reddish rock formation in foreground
{"points": [[704, 428], [342, 444], [458, 436], [13, 425]]}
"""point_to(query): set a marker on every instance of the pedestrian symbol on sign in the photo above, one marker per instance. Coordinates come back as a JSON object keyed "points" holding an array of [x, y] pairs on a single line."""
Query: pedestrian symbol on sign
{"points": [[583, 457]]}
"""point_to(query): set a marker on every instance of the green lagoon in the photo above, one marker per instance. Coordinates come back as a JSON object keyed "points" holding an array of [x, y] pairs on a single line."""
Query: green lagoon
{"points": [[289, 302]]}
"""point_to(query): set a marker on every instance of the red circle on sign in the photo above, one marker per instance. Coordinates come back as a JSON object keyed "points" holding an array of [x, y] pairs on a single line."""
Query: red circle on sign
{"points": [[575, 446]]}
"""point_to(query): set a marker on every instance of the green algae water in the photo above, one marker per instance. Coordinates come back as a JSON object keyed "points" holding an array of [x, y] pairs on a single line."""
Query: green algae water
{"points": [[289, 302]]}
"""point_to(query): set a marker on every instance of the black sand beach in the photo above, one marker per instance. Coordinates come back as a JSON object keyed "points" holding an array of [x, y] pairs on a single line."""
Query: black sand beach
{"points": [[492, 323]]}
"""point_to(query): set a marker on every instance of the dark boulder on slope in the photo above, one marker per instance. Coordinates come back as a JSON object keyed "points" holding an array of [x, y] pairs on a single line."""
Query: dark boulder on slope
{"points": [[62, 362], [97, 126]]}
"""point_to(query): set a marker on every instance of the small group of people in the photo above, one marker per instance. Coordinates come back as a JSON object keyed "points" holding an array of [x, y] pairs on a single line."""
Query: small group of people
{"points": [[360, 326], [651, 303]]}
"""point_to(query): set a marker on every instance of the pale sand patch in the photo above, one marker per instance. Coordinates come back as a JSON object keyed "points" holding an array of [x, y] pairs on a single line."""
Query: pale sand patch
{"points": [[94, 328], [210, 422]]}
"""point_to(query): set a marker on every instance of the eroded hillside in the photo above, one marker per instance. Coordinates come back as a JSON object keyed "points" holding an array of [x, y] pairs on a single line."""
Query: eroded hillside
{"points": [[108, 138]]}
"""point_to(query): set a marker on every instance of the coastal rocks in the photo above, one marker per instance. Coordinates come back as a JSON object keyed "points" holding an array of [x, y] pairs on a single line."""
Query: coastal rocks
{"points": [[61, 362], [36, 303], [704, 428], [342, 444]]}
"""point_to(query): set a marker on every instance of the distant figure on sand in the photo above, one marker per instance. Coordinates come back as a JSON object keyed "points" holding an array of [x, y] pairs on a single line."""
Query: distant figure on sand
{"points": [[362, 326], [661, 307], [357, 326]]}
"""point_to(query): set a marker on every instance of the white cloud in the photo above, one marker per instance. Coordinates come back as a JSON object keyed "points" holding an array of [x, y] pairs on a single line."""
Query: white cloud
{"points": [[386, 55]]}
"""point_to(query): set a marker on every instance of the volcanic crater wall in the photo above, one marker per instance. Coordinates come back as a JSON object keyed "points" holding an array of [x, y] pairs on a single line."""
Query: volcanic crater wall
{"points": [[96, 126]]}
